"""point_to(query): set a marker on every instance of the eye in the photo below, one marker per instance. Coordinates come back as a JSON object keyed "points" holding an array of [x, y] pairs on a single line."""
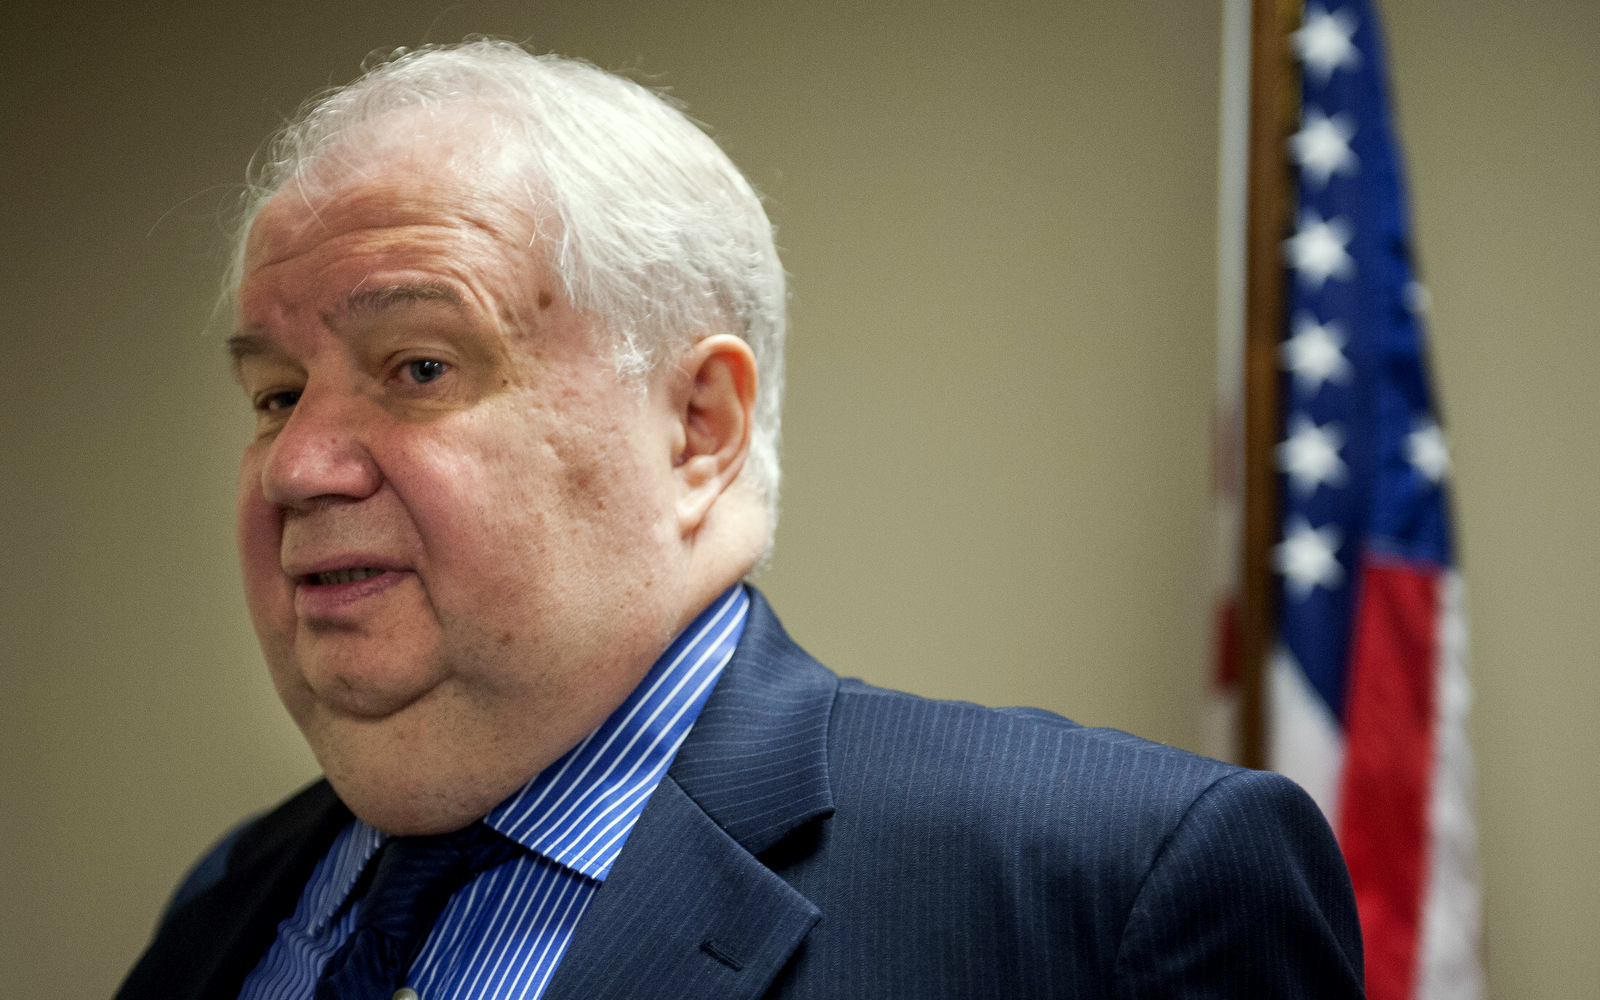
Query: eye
{"points": [[424, 370], [277, 402]]}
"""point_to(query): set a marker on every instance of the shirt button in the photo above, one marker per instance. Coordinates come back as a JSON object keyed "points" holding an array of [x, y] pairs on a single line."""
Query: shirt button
{"points": [[406, 993]]}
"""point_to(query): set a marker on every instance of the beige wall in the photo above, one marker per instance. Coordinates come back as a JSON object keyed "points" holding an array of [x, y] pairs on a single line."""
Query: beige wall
{"points": [[1000, 227]]}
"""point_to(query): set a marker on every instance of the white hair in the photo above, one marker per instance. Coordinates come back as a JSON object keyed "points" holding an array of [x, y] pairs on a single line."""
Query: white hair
{"points": [[654, 232]]}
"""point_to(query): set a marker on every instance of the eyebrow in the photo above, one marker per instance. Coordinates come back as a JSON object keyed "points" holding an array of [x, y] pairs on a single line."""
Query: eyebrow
{"points": [[252, 341], [248, 344], [373, 300]]}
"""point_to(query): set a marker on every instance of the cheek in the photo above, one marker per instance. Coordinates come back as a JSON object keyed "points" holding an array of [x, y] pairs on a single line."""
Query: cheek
{"points": [[259, 527], [482, 491], [498, 497]]}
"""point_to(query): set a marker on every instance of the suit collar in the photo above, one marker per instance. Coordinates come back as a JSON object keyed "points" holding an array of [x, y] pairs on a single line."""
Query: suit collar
{"points": [[690, 911], [757, 758]]}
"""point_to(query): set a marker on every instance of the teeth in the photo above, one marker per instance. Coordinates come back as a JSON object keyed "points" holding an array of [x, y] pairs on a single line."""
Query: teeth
{"points": [[347, 575]]}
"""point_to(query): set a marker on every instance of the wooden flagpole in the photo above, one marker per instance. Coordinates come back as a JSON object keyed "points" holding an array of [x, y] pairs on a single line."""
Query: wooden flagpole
{"points": [[1274, 109]]}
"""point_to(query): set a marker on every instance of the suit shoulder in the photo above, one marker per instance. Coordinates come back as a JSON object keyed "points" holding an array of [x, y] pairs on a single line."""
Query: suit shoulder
{"points": [[955, 734], [1251, 869], [1011, 780], [1049, 829]]}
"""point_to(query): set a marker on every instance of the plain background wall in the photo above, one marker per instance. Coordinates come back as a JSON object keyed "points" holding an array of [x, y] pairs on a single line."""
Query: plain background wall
{"points": [[1000, 223]]}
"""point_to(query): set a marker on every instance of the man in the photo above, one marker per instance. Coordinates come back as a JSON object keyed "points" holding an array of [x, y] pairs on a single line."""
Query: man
{"points": [[511, 328]]}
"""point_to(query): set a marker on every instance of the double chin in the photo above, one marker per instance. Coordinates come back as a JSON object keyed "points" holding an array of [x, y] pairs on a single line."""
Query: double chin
{"points": [[414, 771]]}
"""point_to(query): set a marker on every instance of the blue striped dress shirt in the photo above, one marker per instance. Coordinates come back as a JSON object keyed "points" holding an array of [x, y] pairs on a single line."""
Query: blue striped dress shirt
{"points": [[503, 934]]}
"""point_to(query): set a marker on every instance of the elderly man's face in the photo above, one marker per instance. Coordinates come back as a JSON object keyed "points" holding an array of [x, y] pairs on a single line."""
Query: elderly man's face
{"points": [[453, 519]]}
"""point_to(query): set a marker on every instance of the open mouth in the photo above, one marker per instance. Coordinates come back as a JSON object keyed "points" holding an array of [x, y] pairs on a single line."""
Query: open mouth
{"points": [[335, 576]]}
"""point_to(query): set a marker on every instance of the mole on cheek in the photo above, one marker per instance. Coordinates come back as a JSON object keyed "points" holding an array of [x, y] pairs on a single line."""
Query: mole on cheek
{"points": [[545, 300]]}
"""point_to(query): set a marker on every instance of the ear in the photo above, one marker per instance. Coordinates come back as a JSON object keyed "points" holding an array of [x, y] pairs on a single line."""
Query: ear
{"points": [[714, 412]]}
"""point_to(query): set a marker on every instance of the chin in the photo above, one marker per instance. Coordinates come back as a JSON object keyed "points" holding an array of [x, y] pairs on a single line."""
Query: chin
{"points": [[395, 779], [368, 682], [404, 809]]}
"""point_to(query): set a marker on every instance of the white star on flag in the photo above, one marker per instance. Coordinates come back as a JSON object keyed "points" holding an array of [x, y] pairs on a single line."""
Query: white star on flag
{"points": [[1315, 354], [1322, 146], [1306, 558], [1323, 42], [1317, 250], [1418, 299], [1427, 452], [1310, 456]]}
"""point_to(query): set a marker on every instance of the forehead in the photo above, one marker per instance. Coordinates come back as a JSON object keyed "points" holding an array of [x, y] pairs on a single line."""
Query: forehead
{"points": [[406, 189]]}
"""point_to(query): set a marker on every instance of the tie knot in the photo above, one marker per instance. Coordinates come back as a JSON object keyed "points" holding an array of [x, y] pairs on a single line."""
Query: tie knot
{"points": [[413, 877], [412, 880], [474, 847]]}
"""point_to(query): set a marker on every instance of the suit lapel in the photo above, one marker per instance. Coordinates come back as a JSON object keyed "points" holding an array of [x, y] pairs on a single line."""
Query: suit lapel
{"points": [[757, 758], [686, 912], [689, 910]]}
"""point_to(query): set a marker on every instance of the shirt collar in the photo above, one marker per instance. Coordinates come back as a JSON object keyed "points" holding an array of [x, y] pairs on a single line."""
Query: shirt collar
{"points": [[579, 811]]}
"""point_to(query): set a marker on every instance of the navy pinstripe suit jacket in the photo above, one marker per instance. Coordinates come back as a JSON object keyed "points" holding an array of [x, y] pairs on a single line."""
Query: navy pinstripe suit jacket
{"points": [[822, 838]]}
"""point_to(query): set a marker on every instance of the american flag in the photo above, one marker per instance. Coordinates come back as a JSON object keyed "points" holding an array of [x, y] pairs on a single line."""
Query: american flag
{"points": [[1368, 690]]}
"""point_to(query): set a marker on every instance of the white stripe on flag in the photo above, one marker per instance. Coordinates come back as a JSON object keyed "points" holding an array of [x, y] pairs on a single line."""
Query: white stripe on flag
{"points": [[1449, 966], [1306, 742]]}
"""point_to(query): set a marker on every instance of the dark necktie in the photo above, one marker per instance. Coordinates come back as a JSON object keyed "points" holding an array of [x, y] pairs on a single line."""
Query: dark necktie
{"points": [[412, 879]]}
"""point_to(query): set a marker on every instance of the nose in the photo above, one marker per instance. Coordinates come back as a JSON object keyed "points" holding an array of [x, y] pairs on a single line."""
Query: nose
{"points": [[323, 450]]}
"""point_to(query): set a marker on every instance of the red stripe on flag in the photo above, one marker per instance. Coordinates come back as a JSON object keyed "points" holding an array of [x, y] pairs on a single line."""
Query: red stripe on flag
{"points": [[1383, 810]]}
